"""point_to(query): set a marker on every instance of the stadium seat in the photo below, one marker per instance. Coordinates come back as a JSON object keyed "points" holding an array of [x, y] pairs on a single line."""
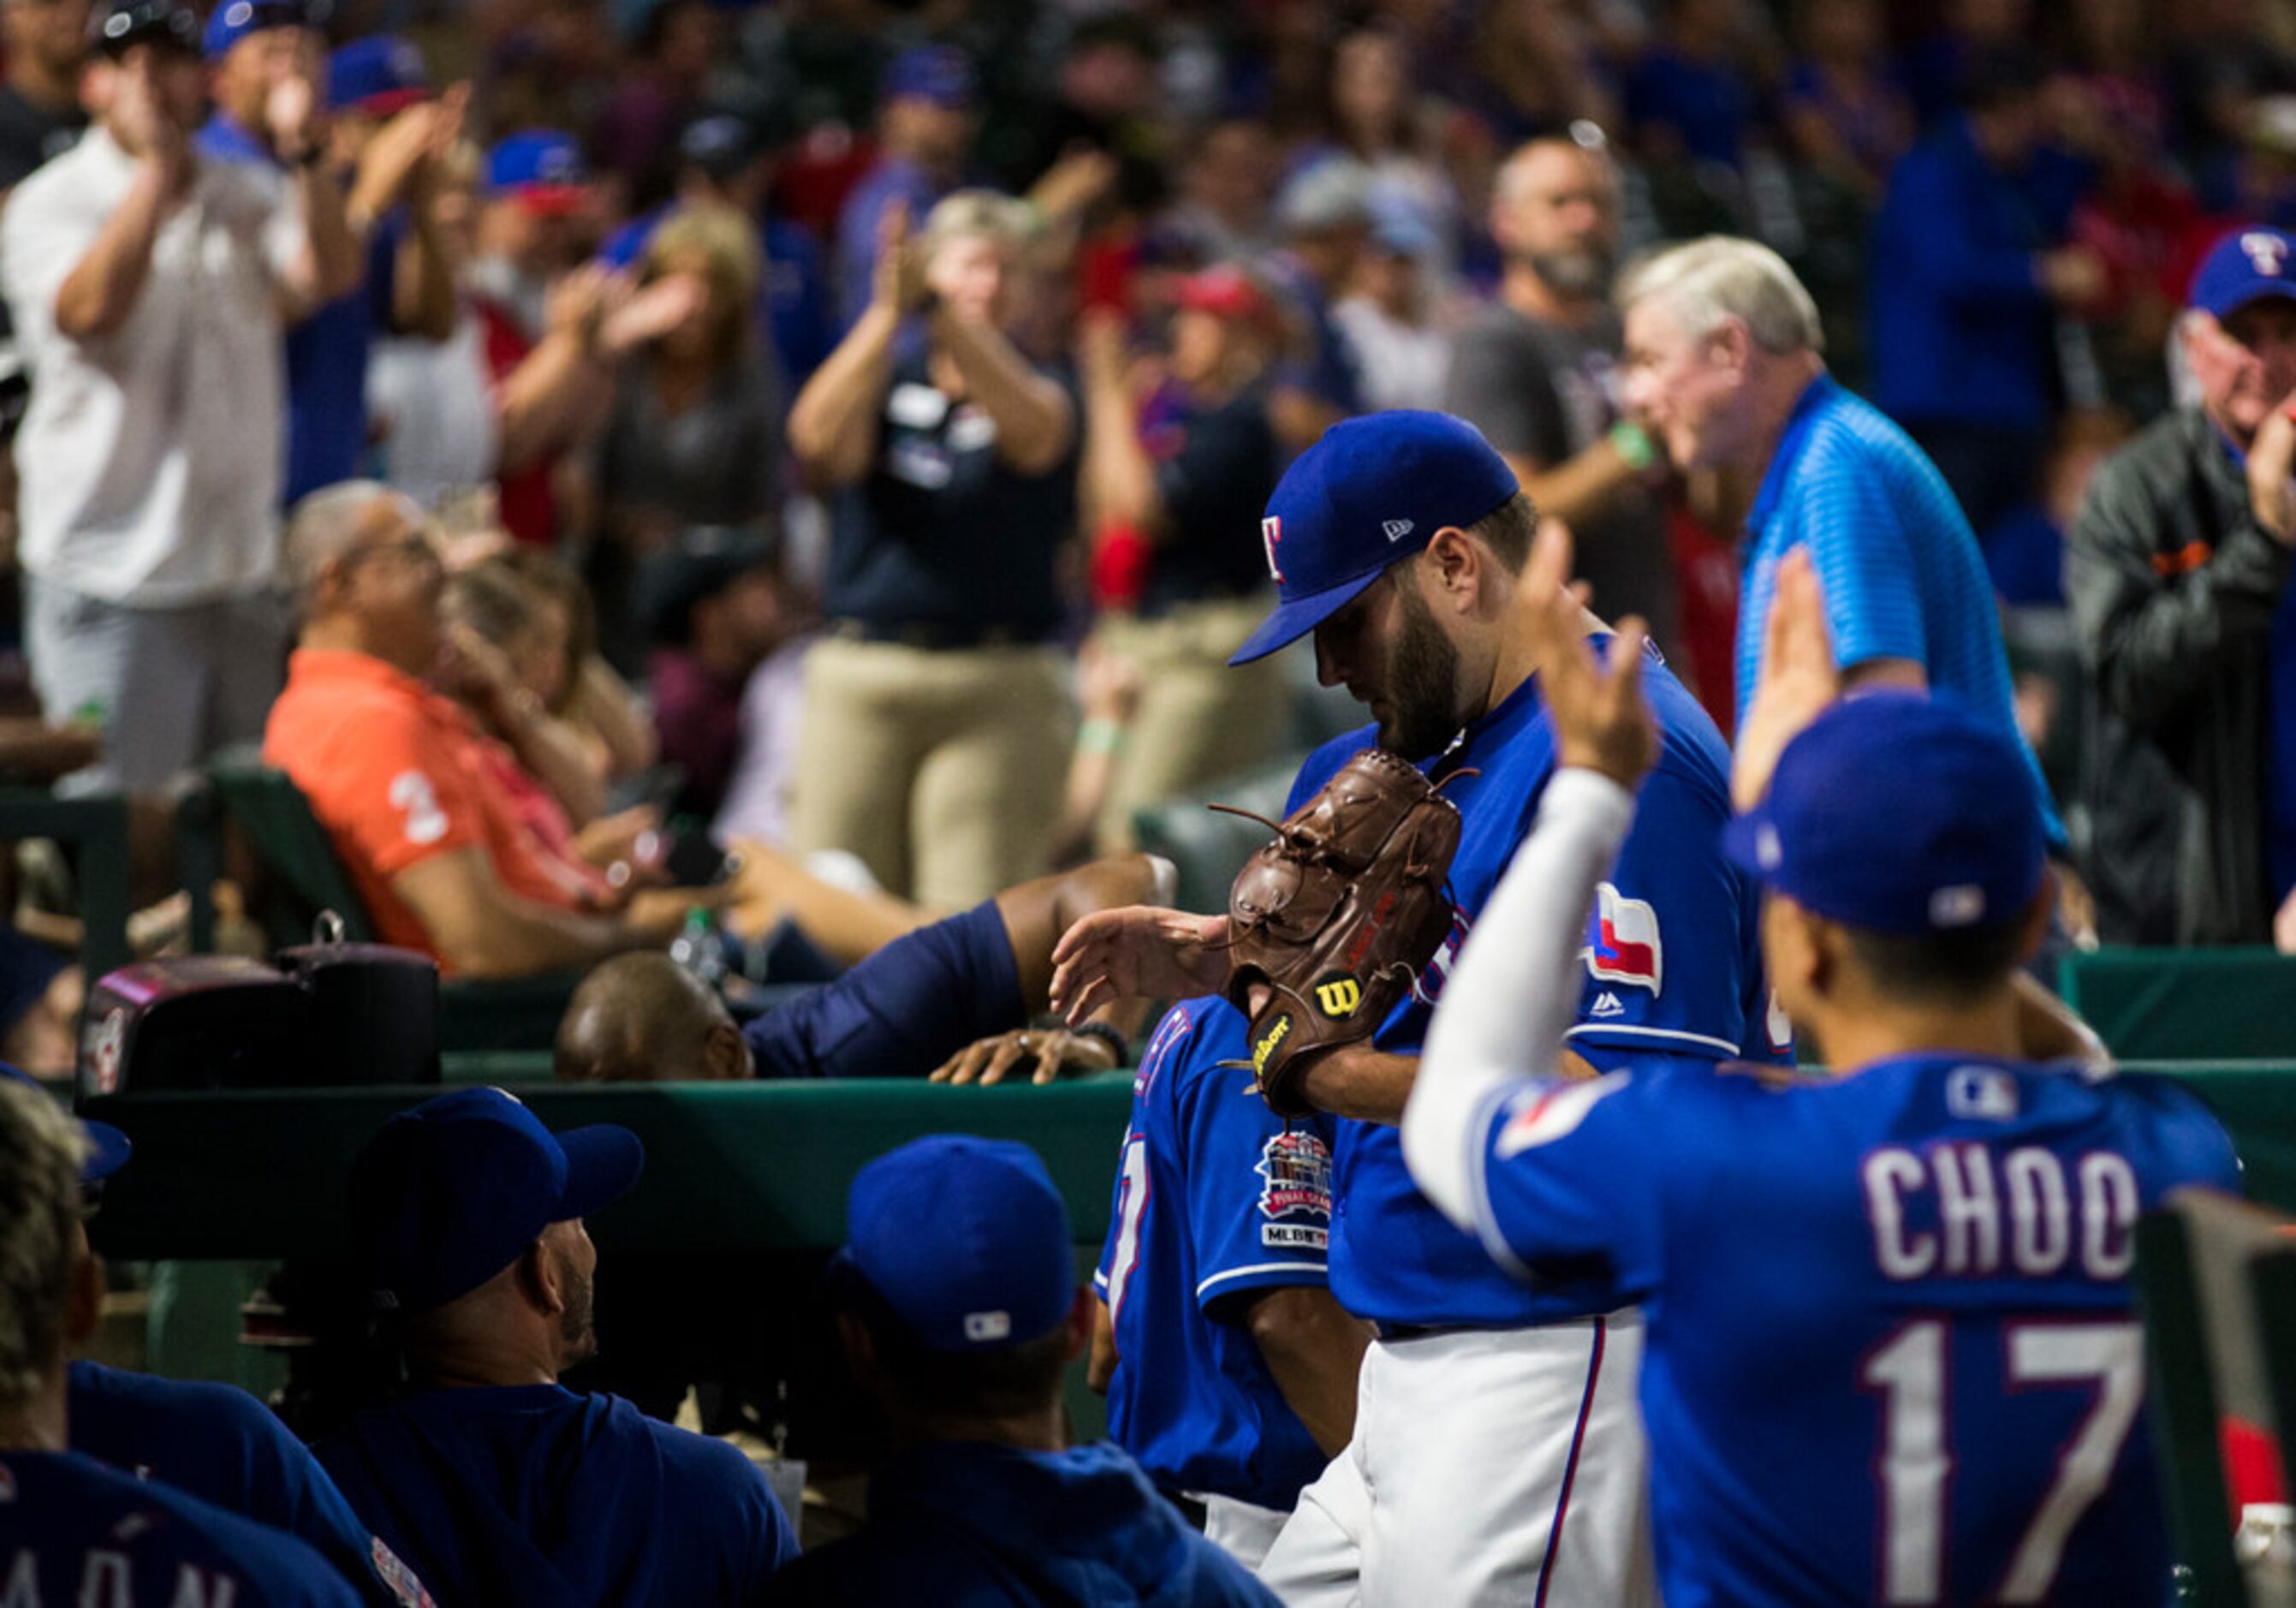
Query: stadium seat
{"points": [[287, 854], [94, 831]]}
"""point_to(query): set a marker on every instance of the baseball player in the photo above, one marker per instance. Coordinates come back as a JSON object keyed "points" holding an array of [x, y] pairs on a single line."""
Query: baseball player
{"points": [[1497, 1454], [1892, 1354], [1230, 1370], [214, 1441], [73, 1529]]}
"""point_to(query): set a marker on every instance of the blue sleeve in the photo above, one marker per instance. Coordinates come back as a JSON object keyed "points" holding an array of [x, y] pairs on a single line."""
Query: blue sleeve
{"points": [[1666, 957], [1925, 224], [287, 1489], [1121, 1251], [1856, 537], [1259, 1188], [1569, 1180], [903, 1011]]}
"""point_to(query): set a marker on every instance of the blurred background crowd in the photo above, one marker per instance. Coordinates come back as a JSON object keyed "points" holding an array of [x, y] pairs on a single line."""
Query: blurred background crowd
{"points": [[840, 430]]}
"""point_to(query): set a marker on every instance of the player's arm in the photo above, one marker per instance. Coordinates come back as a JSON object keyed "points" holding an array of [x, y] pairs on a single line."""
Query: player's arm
{"points": [[1314, 1350], [1374, 1085], [481, 928], [1514, 990], [1101, 1367]]}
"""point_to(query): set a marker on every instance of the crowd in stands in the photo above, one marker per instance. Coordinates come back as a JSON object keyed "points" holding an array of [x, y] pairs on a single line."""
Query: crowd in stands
{"points": [[850, 431]]}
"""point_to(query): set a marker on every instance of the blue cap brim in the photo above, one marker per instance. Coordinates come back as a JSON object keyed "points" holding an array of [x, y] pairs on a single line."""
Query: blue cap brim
{"points": [[1294, 618], [108, 1150], [603, 1163], [2272, 290]]}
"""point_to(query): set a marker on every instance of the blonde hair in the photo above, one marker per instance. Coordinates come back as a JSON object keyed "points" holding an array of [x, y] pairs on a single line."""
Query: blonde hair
{"points": [[1721, 278], [724, 241], [41, 1150], [978, 215]]}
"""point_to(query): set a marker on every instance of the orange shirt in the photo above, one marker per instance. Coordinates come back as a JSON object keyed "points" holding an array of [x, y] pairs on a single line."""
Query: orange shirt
{"points": [[397, 773]]}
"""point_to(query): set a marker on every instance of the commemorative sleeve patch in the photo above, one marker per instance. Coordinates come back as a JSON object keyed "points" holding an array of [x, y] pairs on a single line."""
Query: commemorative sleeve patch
{"points": [[1554, 1113], [1295, 1194]]}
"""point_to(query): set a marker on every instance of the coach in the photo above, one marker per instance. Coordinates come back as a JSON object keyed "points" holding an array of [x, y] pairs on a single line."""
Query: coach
{"points": [[2177, 570], [1726, 365]]}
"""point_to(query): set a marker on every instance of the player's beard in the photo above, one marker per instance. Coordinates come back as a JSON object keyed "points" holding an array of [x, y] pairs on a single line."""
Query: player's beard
{"points": [[1422, 686], [1583, 275], [577, 1331]]}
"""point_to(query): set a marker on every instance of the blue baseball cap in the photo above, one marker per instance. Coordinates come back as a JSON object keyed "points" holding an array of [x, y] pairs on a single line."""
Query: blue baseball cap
{"points": [[941, 74], [381, 75], [234, 19], [965, 1239], [447, 1195], [1372, 490], [542, 167], [2246, 266], [1898, 813], [108, 1148]]}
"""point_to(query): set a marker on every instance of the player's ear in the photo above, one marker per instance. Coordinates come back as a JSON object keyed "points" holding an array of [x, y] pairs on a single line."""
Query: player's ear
{"points": [[1081, 1319], [725, 1055], [1733, 343], [860, 1347], [538, 1277], [1453, 566], [2036, 918]]}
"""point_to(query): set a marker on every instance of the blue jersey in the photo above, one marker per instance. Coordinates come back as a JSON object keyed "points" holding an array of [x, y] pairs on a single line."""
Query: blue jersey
{"points": [[1891, 1353], [219, 1443], [74, 1532], [1673, 966], [533, 1494], [1900, 569], [1216, 1196], [976, 1525]]}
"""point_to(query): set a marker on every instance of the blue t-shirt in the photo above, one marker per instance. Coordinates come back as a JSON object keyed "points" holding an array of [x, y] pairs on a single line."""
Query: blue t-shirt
{"points": [[327, 350], [977, 1525], [1891, 1353], [219, 1443], [1672, 965], [74, 1532], [533, 1494], [1215, 1196], [1895, 556]]}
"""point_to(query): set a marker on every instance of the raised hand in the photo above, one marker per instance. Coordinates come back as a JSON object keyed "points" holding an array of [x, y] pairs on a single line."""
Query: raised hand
{"points": [[1602, 721], [898, 281], [1799, 678], [1138, 951]]}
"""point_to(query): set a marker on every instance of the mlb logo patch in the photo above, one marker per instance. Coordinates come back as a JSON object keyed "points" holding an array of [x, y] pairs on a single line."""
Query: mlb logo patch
{"points": [[1271, 533], [1623, 945]]}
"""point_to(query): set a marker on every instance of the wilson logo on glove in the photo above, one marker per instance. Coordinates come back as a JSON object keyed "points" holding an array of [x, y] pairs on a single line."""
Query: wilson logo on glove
{"points": [[1338, 995], [1265, 1045]]}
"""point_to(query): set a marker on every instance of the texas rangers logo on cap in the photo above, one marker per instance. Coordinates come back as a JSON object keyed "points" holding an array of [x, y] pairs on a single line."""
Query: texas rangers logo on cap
{"points": [[1271, 531], [2267, 251], [1623, 945]]}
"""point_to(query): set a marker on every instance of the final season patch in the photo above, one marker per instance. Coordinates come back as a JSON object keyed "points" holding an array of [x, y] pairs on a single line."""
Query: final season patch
{"points": [[1295, 1197]]}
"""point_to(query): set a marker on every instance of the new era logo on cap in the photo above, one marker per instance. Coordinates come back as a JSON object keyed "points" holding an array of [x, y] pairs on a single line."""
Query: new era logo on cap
{"points": [[1396, 529]]}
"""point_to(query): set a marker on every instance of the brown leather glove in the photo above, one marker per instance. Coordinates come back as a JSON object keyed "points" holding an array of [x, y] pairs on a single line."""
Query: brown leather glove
{"points": [[1338, 916]]}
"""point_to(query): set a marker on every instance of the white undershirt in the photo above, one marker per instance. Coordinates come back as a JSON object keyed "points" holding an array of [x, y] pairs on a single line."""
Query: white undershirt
{"points": [[1514, 990]]}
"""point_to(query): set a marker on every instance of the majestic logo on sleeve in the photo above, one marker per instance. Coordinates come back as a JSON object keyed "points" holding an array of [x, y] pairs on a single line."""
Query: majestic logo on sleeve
{"points": [[1271, 532], [1623, 945], [1295, 1197], [1554, 1114]]}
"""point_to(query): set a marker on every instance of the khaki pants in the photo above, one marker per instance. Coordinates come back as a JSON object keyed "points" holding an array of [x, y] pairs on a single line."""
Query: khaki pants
{"points": [[942, 769], [1198, 721]]}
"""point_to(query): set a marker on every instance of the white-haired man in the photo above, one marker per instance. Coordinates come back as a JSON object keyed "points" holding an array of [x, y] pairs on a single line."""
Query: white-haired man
{"points": [[1726, 365]]}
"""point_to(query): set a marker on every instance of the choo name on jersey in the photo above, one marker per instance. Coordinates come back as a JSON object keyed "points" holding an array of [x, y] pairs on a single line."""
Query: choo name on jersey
{"points": [[1973, 1210]]}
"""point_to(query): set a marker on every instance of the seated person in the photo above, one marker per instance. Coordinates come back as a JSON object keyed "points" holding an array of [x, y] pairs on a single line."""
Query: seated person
{"points": [[496, 1482], [960, 1314], [1229, 1368], [214, 1441], [948, 999], [72, 1529]]}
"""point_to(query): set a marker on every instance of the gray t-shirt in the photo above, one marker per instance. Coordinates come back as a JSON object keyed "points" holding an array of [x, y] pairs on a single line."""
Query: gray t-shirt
{"points": [[1546, 393]]}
